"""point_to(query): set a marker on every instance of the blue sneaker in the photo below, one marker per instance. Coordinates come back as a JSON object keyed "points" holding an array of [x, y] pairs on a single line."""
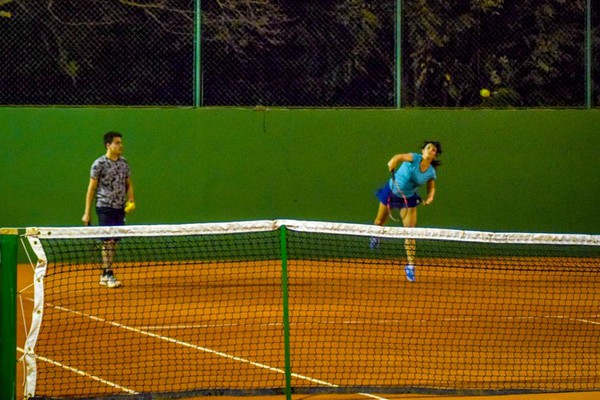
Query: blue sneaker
{"points": [[374, 243], [410, 272]]}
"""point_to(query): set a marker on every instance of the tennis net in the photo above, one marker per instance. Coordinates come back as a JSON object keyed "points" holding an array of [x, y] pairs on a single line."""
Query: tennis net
{"points": [[274, 307]]}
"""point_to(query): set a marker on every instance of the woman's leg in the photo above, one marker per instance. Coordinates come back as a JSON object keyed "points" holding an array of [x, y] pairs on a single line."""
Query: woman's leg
{"points": [[382, 215], [409, 220]]}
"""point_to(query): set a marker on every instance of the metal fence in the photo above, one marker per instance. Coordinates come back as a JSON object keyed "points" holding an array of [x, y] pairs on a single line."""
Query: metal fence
{"points": [[289, 53]]}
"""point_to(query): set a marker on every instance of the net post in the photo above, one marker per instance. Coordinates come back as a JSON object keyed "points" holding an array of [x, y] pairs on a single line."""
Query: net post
{"points": [[286, 314], [8, 312]]}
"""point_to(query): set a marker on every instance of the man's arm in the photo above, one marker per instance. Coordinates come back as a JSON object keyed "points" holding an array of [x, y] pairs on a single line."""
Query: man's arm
{"points": [[130, 196], [89, 198]]}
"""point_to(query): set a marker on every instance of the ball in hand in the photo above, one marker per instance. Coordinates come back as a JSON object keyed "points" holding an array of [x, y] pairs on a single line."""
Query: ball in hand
{"points": [[129, 206]]}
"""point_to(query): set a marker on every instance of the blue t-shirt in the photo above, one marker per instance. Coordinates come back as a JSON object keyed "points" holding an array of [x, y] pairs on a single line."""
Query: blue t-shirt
{"points": [[409, 176]]}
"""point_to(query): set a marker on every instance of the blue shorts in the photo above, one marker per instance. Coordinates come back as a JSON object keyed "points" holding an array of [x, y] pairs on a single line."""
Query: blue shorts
{"points": [[385, 196], [108, 216]]}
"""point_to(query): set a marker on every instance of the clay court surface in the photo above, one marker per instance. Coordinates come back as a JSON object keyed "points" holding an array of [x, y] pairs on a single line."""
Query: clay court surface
{"points": [[455, 324]]}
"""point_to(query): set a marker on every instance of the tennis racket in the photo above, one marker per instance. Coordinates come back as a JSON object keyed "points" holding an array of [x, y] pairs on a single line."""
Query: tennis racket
{"points": [[396, 190]]}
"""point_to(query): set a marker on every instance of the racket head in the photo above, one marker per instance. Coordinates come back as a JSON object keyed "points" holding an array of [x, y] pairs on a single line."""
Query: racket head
{"points": [[398, 192], [391, 209]]}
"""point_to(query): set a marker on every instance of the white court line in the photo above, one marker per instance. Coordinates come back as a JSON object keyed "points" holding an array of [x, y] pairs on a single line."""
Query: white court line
{"points": [[585, 321], [235, 358], [82, 373], [186, 344], [192, 326], [189, 345], [360, 322]]}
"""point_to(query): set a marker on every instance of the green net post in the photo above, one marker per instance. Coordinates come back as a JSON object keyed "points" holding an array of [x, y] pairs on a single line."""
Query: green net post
{"points": [[8, 312], [286, 314]]}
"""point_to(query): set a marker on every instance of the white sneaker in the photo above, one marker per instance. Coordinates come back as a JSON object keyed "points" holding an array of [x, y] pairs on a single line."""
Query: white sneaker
{"points": [[108, 279]]}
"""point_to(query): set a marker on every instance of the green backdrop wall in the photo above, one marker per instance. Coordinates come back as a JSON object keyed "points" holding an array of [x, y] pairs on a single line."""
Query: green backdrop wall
{"points": [[504, 170]]}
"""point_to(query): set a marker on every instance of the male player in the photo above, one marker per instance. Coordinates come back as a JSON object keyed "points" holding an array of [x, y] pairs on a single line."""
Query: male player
{"points": [[110, 184]]}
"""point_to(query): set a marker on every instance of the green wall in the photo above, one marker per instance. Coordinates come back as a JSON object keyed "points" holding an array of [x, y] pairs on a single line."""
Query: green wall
{"points": [[505, 170]]}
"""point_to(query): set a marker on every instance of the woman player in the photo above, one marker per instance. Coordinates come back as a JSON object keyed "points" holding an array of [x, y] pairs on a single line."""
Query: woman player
{"points": [[409, 171]]}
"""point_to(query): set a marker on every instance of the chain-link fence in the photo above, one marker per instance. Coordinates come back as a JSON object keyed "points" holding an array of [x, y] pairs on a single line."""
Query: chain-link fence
{"points": [[289, 53]]}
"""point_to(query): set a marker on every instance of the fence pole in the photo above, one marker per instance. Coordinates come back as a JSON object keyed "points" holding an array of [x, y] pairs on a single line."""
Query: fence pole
{"points": [[8, 312], [398, 54], [588, 54], [197, 54]]}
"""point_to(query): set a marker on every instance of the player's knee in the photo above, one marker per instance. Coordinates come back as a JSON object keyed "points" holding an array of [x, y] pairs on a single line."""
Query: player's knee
{"points": [[409, 223], [380, 219]]}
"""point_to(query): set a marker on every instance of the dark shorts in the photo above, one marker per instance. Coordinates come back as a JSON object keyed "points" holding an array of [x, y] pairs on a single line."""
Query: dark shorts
{"points": [[385, 196], [108, 216]]}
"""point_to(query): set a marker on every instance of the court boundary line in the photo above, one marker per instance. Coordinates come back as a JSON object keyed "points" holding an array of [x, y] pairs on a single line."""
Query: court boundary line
{"points": [[365, 322], [82, 373], [207, 350], [181, 343]]}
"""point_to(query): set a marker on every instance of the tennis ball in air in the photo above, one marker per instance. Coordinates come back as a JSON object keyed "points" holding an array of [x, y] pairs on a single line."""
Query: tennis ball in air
{"points": [[484, 92], [129, 206]]}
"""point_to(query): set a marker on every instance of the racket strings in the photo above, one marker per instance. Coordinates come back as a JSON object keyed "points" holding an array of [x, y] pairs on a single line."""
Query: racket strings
{"points": [[398, 192]]}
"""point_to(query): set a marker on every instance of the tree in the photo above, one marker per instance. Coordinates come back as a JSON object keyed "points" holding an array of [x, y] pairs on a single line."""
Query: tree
{"points": [[524, 51], [293, 53]]}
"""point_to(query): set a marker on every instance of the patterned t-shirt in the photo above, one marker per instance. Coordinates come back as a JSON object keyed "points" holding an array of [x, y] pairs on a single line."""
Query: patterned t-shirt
{"points": [[112, 181]]}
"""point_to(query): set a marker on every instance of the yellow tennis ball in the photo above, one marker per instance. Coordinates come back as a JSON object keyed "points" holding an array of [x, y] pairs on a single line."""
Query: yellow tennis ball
{"points": [[484, 92], [129, 206]]}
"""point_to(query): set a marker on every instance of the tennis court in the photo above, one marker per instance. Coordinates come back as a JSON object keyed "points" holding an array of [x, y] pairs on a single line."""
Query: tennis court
{"points": [[466, 324]]}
